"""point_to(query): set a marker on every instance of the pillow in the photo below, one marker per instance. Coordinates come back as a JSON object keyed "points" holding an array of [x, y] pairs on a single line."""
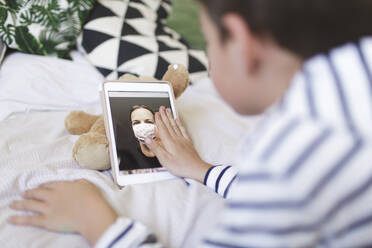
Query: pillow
{"points": [[2, 51], [129, 36], [48, 27]]}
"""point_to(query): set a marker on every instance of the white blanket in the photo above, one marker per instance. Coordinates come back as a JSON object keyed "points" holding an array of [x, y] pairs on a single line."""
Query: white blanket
{"points": [[35, 148]]}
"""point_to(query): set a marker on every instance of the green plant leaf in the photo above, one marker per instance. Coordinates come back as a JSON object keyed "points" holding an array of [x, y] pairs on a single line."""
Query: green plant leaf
{"points": [[63, 54], [83, 15], [50, 40], [80, 5], [7, 33], [26, 42], [27, 18], [14, 5], [47, 15], [3, 14], [70, 24]]}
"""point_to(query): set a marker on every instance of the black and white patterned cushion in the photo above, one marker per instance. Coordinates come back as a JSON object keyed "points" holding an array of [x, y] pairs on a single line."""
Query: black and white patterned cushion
{"points": [[129, 36]]}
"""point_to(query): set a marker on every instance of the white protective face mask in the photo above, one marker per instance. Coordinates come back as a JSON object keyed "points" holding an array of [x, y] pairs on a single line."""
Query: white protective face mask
{"points": [[143, 131]]}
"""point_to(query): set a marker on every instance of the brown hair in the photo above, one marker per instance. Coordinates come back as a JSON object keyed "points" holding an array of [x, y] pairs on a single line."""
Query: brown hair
{"points": [[139, 107], [305, 27]]}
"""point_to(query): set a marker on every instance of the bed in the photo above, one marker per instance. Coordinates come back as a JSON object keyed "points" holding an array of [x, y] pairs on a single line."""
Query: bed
{"points": [[36, 94]]}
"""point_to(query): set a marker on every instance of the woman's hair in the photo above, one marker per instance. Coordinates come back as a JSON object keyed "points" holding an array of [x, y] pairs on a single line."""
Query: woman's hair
{"points": [[305, 27], [140, 107]]}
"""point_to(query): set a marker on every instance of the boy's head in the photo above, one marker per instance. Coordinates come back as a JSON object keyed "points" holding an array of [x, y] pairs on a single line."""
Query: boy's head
{"points": [[261, 43]]}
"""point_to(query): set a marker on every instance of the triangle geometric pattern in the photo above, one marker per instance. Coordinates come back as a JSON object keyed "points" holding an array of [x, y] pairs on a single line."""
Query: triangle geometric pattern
{"points": [[129, 36]]}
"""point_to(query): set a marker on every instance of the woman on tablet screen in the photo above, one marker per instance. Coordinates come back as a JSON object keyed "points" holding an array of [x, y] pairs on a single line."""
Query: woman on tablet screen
{"points": [[142, 121]]}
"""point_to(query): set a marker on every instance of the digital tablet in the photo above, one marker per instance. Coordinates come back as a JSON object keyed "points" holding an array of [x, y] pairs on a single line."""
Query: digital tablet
{"points": [[129, 111]]}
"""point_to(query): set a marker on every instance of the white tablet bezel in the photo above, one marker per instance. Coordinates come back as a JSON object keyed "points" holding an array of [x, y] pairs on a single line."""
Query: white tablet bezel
{"points": [[131, 86]]}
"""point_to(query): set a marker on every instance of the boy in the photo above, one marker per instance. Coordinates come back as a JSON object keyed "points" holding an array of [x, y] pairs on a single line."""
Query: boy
{"points": [[305, 176]]}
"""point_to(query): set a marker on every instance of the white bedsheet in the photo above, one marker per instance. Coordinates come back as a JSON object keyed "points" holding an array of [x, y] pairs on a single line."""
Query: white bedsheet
{"points": [[35, 148]]}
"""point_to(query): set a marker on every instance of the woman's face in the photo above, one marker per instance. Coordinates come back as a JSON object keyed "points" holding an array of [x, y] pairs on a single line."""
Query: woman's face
{"points": [[142, 115], [143, 124]]}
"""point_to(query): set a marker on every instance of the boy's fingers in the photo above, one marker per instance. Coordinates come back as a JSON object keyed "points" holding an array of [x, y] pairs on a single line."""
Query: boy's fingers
{"points": [[157, 149], [173, 123], [162, 129], [52, 185], [184, 132], [166, 121], [28, 220], [83, 181], [29, 205], [40, 194]]}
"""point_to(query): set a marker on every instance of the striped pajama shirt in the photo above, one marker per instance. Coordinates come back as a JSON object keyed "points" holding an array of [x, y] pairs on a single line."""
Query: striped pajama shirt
{"points": [[304, 178]]}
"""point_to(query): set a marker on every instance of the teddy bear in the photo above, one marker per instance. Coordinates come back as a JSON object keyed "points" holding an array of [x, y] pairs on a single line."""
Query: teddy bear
{"points": [[91, 150]]}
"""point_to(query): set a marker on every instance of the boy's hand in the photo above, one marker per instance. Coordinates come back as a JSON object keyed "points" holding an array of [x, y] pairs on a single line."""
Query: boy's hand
{"points": [[176, 152], [76, 206]]}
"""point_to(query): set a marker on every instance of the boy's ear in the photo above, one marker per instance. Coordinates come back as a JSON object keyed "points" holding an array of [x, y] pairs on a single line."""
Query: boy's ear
{"points": [[242, 43]]}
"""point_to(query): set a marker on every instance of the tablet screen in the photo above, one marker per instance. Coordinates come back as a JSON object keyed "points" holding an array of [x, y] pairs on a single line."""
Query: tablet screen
{"points": [[133, 118]]}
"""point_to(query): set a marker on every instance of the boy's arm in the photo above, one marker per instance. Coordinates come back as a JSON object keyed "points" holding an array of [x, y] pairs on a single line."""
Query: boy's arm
{"points": [[127, 233], [178, 155], [219, 178]]}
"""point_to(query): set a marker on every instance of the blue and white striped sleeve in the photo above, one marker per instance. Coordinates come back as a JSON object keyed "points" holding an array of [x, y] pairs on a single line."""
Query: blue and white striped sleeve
{"points": [[220, 178], [127, 233]]}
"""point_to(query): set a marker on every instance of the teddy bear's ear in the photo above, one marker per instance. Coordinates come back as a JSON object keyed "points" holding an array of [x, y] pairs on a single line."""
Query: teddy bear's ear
{"points": [[178, 76], [128, 77]]}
